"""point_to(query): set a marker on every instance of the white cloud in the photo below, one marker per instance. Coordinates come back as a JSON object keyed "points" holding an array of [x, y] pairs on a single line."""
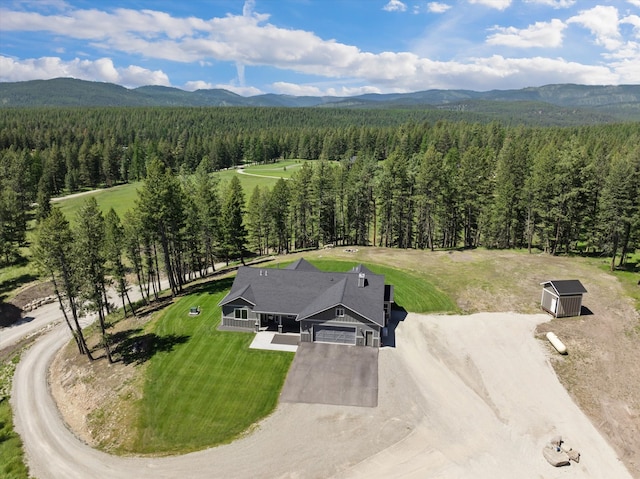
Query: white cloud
{"points": [[554, 3], [101, 70], [633, 20], [634, 2], [497, 4], [540, 34], [395, 6], [295, 89], [602, 21], [203, 85], [250, 40], [437, 7], [286, 88]]}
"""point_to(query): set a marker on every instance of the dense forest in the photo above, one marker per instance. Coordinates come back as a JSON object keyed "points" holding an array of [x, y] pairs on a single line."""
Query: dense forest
{"points": [[383, 177]]}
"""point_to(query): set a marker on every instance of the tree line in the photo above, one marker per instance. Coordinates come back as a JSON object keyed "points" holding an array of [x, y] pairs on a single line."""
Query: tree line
{"points": [[399, 182], [436, 186]]}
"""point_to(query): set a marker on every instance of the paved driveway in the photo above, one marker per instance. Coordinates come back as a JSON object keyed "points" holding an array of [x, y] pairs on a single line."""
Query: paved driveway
{"points": [[333, 374]]}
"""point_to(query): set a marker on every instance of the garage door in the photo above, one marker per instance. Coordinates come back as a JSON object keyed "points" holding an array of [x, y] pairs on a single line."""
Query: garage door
{"points": [[334, 334]]}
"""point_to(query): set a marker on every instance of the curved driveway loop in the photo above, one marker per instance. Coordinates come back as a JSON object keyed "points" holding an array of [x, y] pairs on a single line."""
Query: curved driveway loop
{"points": [[333, 374]]}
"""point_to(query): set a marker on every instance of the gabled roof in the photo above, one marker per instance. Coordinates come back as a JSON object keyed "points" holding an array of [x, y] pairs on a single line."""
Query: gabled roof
{"points": [[302, 265], [245, 293], [302, 290], [565, 287]]}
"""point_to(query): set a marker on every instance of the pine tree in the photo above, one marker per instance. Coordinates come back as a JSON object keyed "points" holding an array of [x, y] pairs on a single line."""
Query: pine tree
{"points": [[234, 233], [89, 245], [54, 254]]}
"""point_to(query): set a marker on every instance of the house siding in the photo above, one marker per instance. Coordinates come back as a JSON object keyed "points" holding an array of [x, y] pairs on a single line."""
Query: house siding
{"points": [[229, 320], [569, 306], [547, 297], [566, 305]]}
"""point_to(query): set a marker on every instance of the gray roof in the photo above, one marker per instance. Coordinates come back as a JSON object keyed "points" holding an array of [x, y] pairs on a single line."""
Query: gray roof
{"points": [[565, 287], [302, 265], [303, 290]]}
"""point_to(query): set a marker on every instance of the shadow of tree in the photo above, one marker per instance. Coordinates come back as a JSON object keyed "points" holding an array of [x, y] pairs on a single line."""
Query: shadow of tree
{"points": [[9, 314], [14, 283], [212, 286], [130, 347]]}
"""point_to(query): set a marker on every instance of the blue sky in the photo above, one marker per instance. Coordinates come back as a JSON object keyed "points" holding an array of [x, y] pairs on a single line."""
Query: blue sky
{"points": [[323, 47]]}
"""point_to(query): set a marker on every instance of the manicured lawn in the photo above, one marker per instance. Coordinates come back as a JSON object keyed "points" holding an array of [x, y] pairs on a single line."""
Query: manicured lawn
{"points": [[411, 292], [209, 387], [120, 198]]}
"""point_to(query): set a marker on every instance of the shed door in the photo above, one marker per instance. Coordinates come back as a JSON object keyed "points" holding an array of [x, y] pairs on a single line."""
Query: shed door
{"points": [[554, 305], [334, 334]]}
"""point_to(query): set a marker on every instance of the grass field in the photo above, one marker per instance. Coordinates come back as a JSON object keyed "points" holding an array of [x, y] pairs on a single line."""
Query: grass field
{"points": [[210, 388], [122, 198]]}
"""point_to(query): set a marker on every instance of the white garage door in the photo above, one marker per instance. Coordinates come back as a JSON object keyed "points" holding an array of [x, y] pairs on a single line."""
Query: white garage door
{"points": [[334, 334]]}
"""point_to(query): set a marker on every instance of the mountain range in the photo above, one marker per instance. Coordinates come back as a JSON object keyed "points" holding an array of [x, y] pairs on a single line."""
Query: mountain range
{"points": [[555, 104]]}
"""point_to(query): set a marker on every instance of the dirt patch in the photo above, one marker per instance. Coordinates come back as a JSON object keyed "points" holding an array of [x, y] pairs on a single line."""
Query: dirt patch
{"points": [[97, 400]]}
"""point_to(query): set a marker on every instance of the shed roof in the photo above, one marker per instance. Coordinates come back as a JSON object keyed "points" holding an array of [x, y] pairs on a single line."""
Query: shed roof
{"points": [[565, 287], [304, 291]]}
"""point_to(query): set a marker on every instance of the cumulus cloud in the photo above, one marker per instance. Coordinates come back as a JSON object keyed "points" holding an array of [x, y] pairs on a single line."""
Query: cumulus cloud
{"points": [[437, 7], [101, 69], [497, 4], [395, 6], [250, 40], [540, 34], [602, 21], [554, 3], [634, 2]]}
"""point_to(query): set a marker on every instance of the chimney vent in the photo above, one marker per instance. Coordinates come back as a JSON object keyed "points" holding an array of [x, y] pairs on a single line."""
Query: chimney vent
{"points": [[361, 279]]}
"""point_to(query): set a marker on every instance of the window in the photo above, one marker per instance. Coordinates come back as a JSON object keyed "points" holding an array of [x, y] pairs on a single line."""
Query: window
{"points": [[340, 312], [241, 313]]}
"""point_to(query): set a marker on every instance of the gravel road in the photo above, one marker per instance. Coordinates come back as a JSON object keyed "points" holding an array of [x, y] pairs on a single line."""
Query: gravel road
{"points": [[459, 396]]}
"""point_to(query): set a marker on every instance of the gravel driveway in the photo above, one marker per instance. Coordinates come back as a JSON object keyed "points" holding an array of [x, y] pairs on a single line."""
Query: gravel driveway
{"points": [[459, 396]]}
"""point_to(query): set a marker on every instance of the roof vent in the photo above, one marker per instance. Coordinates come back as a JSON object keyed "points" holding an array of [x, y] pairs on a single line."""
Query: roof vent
{"points": [[361, 279]]}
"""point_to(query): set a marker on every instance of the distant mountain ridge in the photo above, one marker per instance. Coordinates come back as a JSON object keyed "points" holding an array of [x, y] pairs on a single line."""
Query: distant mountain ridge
{"points": [[600, 103]]}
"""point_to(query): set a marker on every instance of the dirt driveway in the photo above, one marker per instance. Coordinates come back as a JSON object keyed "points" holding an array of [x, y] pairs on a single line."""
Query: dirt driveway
{"points": [[333, 374]]}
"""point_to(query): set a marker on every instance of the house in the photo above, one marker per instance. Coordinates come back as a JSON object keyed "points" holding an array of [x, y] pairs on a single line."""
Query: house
{"points": [[348, 308], [562, 298]]}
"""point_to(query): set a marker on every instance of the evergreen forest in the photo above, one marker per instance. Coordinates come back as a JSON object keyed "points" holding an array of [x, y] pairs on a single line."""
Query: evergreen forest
{"points": [[394, 178]]}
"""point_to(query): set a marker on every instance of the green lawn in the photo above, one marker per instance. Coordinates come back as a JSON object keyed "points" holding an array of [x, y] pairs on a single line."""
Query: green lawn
{"points": [[411, 292], [210, 387], [120, 198]]}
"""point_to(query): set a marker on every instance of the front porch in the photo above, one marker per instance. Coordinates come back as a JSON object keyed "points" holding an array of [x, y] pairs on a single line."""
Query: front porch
{"points": [[279, 323]]}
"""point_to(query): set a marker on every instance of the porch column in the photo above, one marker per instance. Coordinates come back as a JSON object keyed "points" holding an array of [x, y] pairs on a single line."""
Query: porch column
{"points": [[280, 324]]}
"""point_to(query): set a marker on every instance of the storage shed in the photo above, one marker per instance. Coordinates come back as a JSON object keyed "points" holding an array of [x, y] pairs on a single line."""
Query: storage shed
{"points": [[562, 298]]}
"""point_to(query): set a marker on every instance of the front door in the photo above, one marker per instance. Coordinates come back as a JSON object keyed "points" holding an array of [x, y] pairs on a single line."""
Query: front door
{"points": [[369, 338]]}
